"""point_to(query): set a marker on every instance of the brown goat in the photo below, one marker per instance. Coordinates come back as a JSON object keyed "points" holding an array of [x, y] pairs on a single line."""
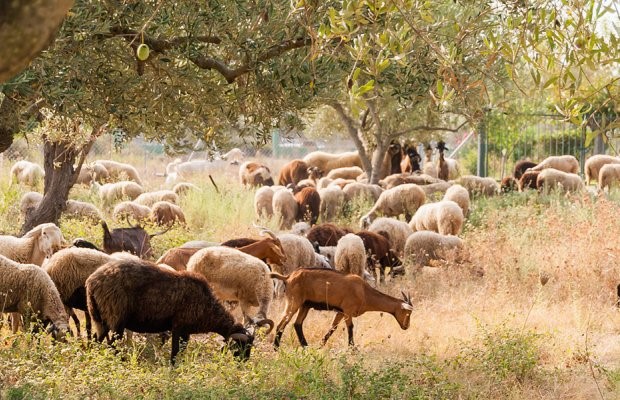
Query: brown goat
{"points": [[144, 298], [528, 180], [309, 205], [411, 160], [378, 252], [326, 234], [293, 172], [444, 170], [348, 295], [134, 240], [521, 166]]}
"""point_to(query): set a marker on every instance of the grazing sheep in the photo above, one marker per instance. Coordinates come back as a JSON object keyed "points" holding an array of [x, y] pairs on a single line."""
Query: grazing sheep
{"points": [[348, 295], [566, 163], [284, 208], [118, 170], [594, 164], [403, 199], [439, 187], [128, 209], [508, 184], [236, 276], [608, 175], [350, 257], [326, 234], [86, 176], [38, 243], [314, 174], [401, 178], [398, 232], [69, 268], [308, 204], [28, 290], [300, 228], [332, 201], [198, 244], [324, 182], [234, 155], [521, 166], [166, 213], [293, 172], [139, 296], [424, 246], [27, 173], [445, 217], [182, 188], [345, 173], [364, 190], [254, 174], [550, 178], [83, 209], [29, 202], [150, 198], [460, 196], [325, 162], [379, 254], [111, 192], [528, 180], [263, 202], [477, 185]]}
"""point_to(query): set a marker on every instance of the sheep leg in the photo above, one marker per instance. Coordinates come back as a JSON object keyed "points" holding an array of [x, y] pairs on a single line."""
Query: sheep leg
{"points": [[288, 314], [331, 330], [299, 322], [76, 321], [15, 322], [179, 342], [88, 325]]}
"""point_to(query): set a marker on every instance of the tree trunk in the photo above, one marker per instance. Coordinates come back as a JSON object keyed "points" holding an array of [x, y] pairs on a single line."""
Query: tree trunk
{"points": [[355, 134], [377, 163], [9, 122], [59, 158]]}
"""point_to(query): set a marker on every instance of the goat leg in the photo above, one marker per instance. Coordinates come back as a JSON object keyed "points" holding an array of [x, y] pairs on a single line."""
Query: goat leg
{"points": [[299, 322], [331, 330]]}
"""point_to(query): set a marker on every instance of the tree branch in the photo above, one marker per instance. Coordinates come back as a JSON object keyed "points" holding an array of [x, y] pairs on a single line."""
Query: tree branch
{"points": [[230, 74], [353, 133], [161, 44], [428, 128]]}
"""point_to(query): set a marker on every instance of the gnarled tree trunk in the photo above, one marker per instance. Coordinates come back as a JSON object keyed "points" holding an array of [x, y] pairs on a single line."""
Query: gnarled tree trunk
{"points": [[9, 122]]}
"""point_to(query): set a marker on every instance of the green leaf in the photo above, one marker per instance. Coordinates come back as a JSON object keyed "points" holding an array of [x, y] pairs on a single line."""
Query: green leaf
{"points": [[590, 136]]}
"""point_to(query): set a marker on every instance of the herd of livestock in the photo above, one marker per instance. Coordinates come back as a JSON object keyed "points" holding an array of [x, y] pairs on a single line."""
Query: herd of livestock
{"points": [[324, 266]]}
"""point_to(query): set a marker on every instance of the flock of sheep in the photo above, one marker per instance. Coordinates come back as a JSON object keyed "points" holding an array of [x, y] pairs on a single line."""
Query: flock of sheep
{"points": [[192, 289]]}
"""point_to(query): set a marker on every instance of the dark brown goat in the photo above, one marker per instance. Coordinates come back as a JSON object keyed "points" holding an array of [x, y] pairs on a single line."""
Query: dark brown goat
{"points": [[411, 160], [348, 295], [293, 172], [309, 204], [521, 166], [141, 297], [134, 240], [444, 171], [378, 252], [326, 234], [528, 180]]}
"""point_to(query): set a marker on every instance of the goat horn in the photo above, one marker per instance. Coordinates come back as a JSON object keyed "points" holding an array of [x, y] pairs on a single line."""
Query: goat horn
{"points": [[162, 232], [264, 322], [240, 336]]}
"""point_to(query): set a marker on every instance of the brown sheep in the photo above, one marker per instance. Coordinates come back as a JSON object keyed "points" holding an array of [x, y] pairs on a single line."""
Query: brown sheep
{"points": [[521, 166], [326, 234], [508, 184], [309, 205], [166, 213], [378, 252], [255, 174], [293, 172], [144, 298], [528, 180]]}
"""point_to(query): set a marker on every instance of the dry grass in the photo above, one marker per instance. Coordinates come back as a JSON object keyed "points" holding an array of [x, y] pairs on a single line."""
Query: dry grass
{"points": [[531, 315]]}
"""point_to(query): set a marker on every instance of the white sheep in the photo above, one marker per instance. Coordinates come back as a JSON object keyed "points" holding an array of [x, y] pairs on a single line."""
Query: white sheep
{"points": [[424, 246], [332, 201], [27, 173], [594, 164], [345, 173], [550, 178], [118, 170], [234, 156], [460, 196], [32, 248], [128, 209], [398, 231], [608, 175], [300, 228], [263, 199], [235, 276], [350, 256], [566, 163], [364, 190], [83, 209], [284, 208], [166, 213], [182, 188], [325, 162], [477, 185], [299, 254], [445, 217], [29, 202], [150, 198], [28, 290], [324, 182], [439, 187], [110, 192], [403, 199]]}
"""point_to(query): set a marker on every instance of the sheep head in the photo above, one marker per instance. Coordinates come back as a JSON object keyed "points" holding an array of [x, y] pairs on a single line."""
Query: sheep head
{"points": [[240, 343], [49, 238]]}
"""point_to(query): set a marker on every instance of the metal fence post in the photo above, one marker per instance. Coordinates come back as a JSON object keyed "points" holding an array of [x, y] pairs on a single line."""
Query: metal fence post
{"points": [[582, 150], [482, 149]]}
